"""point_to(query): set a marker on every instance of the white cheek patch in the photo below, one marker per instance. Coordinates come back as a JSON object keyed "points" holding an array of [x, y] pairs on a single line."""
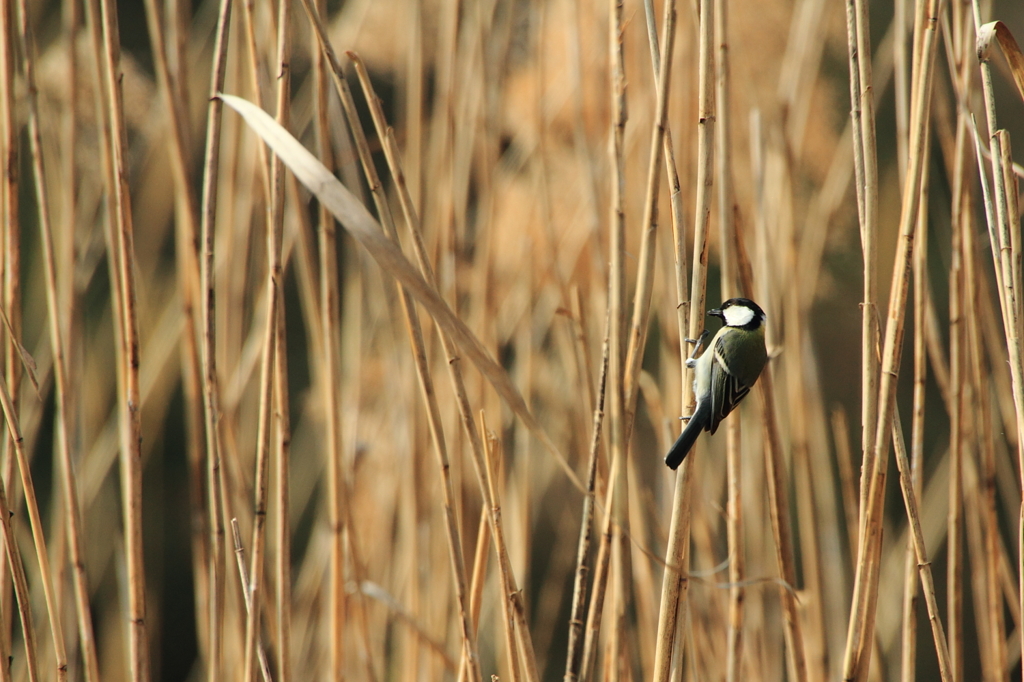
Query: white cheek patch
{"points": [[738, 315]]}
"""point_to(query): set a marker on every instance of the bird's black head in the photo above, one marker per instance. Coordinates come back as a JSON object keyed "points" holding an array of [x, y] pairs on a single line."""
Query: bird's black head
{"points": [[740, 312]]}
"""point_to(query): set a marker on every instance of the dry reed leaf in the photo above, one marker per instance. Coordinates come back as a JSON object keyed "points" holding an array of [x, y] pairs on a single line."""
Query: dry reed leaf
{"points": [[354, 217], [997, 32]]}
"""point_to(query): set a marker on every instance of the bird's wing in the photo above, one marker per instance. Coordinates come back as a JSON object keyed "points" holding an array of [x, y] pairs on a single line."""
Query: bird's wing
{"points": [[727, 390]]}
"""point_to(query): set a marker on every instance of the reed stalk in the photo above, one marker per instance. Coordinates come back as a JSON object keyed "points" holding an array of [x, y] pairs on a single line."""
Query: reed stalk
{"points": [[20, 587], [526, 233], [210, 382], [518, 638], [861, 627], [57, 344], [1004, 221], [271, 341], [9, 157]]}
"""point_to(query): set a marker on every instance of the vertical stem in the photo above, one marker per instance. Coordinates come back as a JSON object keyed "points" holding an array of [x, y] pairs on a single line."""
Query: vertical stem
{"points": [[674, 582], [1001, 226], [211, 398], [866, 177], [861, 628], [282, 456], [187, 267], [960, 226], [727, 259], [574, 651], [9, 405], [243, 576], [909, 631], [127, 319], [270, 348], [616, 317], [9, 164], [617, 508], [470, 659], [20, 589], [515, 619]]}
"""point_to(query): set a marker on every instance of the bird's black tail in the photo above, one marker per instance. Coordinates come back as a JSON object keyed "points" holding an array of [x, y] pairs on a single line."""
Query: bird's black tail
{"points": [[698, 422]]}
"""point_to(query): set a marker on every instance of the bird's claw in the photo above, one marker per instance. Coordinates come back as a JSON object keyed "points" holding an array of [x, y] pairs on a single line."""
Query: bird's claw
{"points": [[698, 344]]}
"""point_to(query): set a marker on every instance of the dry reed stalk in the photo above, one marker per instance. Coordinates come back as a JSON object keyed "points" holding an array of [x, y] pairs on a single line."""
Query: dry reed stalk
{"points": [[616, 503], [56, 340], [9, 130], [456, 556], [1003, 226], [330, 345], [127, 349], [186, 255], [419, 351], [779, 511], [256, 76], [778, 504], [908, 648], [283, 545], [961, 225], [111, 135], [866, 173], [645, 274], [640, 322], [67, 293], [985, 538], [20, 585], [675, 583], [644, 562], [669, 623], [581, 345], [271, 341], [365, 230], [510, 622], [923, 565], [727, 210], [10, 239], [352, 349], [385, 134], [244, 581], [861, 625], [476, 586], [977, 579], [9, 157], [208, 325], [958, 401], [985, 580], [574, 650], [807, 520], [954, 581]]}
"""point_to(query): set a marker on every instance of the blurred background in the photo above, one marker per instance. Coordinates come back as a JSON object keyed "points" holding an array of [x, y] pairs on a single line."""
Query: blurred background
{"points": [[502, 113]]}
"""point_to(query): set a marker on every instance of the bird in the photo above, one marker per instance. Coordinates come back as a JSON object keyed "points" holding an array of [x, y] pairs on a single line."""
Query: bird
{"points": [[725, 372]]}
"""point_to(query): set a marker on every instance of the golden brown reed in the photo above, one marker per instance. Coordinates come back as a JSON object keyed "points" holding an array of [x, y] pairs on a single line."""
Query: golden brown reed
{"points": [[512, 185]]}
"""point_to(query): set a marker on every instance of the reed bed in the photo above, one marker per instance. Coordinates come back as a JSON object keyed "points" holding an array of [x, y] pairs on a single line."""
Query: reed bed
{"points": [[343, 341]]}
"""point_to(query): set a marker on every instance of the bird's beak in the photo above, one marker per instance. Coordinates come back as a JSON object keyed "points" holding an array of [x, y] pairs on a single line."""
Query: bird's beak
{"points": [[717, 313]]}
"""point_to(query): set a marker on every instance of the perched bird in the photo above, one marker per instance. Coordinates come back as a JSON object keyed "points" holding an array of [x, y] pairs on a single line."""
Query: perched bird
{"points": [[726, 371]]}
